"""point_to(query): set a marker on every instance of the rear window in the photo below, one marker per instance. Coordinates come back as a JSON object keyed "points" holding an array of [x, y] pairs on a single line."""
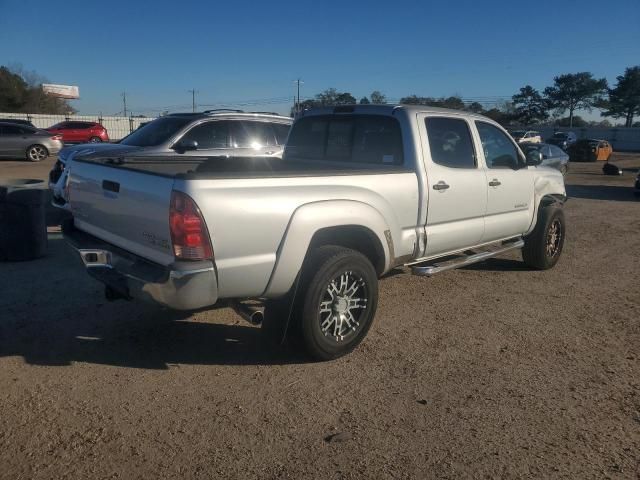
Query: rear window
{"points": [[371, 139]]}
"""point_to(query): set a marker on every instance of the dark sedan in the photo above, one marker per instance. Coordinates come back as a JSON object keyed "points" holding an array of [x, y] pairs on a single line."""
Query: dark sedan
{"points": [[552, 156], [563, 139]]}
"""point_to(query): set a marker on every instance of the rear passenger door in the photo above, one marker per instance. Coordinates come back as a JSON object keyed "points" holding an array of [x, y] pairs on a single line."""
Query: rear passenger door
{"points": [[457, 188], [510, 185]]}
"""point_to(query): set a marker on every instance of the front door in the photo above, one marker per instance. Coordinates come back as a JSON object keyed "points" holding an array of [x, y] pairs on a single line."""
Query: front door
{"points": [[457, 188], [510, 198]]}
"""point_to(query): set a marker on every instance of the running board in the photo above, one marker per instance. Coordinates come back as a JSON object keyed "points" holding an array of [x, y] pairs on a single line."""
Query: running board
{"points": [[428, 270]]}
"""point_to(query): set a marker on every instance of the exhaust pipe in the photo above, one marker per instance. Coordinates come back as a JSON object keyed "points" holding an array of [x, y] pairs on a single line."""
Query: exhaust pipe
{"points": [[254, 313]]}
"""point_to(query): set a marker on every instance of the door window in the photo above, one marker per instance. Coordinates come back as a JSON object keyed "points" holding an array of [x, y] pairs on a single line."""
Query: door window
{"points": [[210, 135], [450, 142], [253, 135], [555, 151], [12, 130], [499, 150], [282, 132]]}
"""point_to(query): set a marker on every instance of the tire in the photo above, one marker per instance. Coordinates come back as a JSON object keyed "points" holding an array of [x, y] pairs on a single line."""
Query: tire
{"points": [[543, 247], [37, 153], [334, 278], [95, 140]]}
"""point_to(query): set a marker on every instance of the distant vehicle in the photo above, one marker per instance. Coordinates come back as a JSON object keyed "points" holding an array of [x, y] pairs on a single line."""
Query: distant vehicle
{"points": [[526, 136], [552, 156], [636, 189], [23, 141], [80, 132], [18, 121], [211, 133], [590, 150], [563, 139]]}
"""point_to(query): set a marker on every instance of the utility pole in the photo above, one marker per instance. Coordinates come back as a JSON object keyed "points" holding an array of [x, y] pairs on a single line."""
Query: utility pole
{"points": [[124, 102], [298, 82], [193, 92]]}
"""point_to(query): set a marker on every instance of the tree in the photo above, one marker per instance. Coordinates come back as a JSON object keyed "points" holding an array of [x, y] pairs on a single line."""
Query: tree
{"points": [[364, 101], [576, 121], [575, 91], [475, 107], [21, 92], [498, 115], [624, 98], [378, 98], [332, 97], [529, 106], [454, 102]]}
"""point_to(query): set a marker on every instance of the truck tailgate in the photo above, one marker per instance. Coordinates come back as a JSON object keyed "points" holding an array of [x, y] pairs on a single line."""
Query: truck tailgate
{"points": [[129, 209]]}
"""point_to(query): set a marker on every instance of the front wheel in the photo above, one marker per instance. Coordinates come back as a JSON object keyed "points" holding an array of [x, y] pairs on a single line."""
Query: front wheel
{"points": [[37, 153], [95, 140], [339, 298], [543, 247]]}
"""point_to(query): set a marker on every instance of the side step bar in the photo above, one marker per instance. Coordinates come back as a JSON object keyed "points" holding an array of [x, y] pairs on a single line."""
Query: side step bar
{"points": [[428, 270]]}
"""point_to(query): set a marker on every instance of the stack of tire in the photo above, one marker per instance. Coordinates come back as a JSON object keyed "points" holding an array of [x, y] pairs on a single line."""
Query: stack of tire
{"points": [[23, 228]]}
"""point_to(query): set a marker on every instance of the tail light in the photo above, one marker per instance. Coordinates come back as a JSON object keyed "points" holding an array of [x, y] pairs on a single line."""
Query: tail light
{"points": [[56, 137], [189, 234]]}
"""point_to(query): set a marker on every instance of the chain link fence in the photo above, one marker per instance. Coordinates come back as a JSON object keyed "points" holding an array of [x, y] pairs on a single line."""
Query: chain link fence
{"points": [[117, 127]]}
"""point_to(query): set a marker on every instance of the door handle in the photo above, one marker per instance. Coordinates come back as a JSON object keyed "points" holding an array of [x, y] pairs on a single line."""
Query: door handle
{"points": [[111, 186], [494, 183], [440, 186]]}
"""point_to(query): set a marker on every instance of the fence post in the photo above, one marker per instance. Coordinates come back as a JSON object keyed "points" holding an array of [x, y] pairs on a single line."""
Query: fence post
{"points": [[130, 124]]}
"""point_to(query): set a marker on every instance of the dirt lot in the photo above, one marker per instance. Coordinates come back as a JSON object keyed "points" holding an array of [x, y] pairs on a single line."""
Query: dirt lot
{"points": [[492, 371]]}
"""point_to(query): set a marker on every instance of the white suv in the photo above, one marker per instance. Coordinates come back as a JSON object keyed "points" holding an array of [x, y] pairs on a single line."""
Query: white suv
{"points": [[526, 136]]}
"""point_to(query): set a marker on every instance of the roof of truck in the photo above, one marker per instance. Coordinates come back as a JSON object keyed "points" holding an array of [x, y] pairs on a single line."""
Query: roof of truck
{"points": [[385, 110]]}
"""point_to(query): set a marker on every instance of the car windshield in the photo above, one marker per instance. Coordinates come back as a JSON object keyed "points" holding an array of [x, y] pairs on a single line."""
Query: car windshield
{"points": [[156, 132]]}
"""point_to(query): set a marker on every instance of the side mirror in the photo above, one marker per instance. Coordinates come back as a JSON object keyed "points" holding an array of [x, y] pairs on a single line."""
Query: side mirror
{"points": [[534, 158], [185, 145]]}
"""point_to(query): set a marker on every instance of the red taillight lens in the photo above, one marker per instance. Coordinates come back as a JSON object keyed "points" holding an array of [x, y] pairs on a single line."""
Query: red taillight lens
{"points": [[189, 233]]}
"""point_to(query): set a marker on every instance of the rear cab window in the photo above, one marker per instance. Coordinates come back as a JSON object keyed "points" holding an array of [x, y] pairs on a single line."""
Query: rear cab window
{"points": [[355, 139]]}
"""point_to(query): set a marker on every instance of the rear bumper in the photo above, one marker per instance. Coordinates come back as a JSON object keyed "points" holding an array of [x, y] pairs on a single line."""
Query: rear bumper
{"points": [[181, 286]]}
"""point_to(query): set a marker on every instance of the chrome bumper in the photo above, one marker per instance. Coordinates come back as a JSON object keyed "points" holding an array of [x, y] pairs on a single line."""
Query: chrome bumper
{"points": [[181, 286]]}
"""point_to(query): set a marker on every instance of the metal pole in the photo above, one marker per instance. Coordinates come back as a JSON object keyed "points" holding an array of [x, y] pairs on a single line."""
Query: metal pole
{"points": [[124, 102], [193, 99], [298, 107]]}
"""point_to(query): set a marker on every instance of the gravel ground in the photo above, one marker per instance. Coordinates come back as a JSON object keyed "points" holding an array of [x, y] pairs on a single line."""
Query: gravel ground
{"points": [[492, 371]]}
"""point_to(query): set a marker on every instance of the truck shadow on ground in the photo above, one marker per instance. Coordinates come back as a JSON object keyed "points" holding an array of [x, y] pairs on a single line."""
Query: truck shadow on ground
{"points": [[620, 193], [54, 314]]}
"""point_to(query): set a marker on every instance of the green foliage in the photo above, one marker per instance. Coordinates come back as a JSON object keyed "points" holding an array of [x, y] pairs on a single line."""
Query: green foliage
{"points": [[475, 107], [453, 102], [575, 91], [529, 106], [378, 98], [575, 121], [21, 92], [364, 101], [624, 98]]}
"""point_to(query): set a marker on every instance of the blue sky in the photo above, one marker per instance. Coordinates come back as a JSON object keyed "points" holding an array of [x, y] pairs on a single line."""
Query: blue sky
{"points": [[244, 51]]}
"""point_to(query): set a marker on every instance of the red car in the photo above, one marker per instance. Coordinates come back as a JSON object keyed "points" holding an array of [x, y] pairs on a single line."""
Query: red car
{"points": [[80, 132]]}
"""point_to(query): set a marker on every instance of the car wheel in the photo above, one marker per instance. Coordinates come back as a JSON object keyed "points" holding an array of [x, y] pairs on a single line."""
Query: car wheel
{"points": [[95, 140], [543, 247], [37, 153], [338, 301]]}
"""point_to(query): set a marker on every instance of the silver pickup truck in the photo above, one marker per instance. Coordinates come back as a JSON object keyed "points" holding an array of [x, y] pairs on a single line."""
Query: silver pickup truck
{"points": [[299, 242]]}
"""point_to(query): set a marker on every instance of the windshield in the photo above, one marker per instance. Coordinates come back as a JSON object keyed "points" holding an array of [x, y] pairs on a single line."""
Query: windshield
{"points": [[156, 132]]}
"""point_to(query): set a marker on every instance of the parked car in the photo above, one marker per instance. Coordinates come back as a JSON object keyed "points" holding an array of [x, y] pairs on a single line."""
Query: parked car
{"points": [[552, 156], [307, 236], [80, 132], [18, 121], [232, 133], [563, 139], [23, 141], [590, 150], [636, 189], [528, 136]]}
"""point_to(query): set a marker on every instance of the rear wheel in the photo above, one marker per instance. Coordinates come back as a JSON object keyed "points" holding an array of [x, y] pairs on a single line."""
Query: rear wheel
{"points": [[338, 301], [543, 247], [37, 153], [95, 140]]}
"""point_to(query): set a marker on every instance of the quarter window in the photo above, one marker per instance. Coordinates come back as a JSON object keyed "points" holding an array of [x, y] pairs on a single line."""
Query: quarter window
{"points": [[499, 150], [450, 142]]}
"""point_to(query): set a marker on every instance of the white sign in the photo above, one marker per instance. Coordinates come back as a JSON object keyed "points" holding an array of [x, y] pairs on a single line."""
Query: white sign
{"points": [[62, 91]]}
